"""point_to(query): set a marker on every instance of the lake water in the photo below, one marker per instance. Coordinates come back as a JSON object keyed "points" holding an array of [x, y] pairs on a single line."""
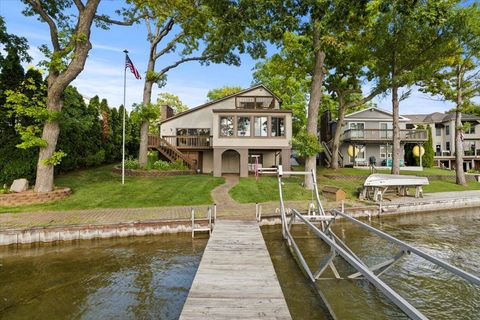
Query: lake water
{"points": [[129, 278], [149, 277], [453, 236]]}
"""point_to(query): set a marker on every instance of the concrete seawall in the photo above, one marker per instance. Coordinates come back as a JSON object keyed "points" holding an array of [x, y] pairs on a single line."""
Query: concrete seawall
{"points": [[387, 208], [92, 231]]}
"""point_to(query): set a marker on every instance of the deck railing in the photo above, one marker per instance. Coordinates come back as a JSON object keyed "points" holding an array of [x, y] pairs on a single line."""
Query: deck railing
{"points": [[192, 142], [413, 135]]}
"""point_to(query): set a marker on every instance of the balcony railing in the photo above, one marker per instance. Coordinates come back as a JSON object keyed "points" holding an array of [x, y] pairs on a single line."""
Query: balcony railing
{"points": [[408, 135], [190, 142]]}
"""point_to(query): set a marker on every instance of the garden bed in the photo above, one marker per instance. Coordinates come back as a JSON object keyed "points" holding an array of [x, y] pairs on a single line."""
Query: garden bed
{"points": [[31, 197], [153, 172]]}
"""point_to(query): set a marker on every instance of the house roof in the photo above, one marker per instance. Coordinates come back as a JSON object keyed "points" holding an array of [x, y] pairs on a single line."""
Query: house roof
{"points": [[221, 99], [439, 117], [402, 118]]}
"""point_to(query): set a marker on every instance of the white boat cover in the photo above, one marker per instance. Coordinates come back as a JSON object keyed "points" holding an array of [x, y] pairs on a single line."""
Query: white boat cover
{"points": [[385, 180]]}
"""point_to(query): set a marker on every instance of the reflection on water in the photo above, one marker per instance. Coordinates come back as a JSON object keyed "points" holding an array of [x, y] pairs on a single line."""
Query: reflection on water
{"points": [[451, 236], [142, 278]]}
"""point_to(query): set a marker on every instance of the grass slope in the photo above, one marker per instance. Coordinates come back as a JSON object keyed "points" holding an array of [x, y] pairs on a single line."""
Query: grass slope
{"points": [[100, 188]]}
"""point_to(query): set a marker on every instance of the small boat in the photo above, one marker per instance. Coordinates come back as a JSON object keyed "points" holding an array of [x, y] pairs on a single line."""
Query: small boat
{"points": [[397, 180]]}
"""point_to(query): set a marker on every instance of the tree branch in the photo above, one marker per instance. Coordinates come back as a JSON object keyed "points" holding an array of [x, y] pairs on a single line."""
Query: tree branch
{"points": [[176, 64], [79, 5], [133, 20], [160, 35], [169, 46], [37, 6]]}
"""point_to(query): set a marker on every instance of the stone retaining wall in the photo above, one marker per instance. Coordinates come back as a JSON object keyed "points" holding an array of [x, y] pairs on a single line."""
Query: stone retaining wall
{"points": [[153, 173], [91, 231], [30, 197]]}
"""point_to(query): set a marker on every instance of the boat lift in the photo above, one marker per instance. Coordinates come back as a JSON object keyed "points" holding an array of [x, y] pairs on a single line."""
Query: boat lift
{"points": [[320, 224]]}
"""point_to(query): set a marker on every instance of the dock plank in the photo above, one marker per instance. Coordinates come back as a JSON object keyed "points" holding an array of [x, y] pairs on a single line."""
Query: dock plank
{"points": [[236, 278]]}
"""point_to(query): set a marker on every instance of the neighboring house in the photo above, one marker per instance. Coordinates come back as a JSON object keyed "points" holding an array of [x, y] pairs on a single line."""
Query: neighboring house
{"points": [[443, 136], [228, 135], [369, 133]]}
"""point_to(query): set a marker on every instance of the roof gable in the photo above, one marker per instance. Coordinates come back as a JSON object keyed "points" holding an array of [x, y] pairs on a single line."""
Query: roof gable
{"points": [[372, 114], [240, 93]]}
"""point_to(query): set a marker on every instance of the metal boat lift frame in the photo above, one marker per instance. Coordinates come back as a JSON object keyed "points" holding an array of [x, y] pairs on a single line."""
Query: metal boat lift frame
{"points": [[339, 248]]}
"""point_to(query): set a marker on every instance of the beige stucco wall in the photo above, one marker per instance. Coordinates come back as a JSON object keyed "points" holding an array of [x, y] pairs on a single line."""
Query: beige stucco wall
{"points": [[207, 165]]}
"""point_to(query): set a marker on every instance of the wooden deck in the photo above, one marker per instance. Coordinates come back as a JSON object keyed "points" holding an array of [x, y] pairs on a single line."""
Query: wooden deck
{"points": [[235, 279]]}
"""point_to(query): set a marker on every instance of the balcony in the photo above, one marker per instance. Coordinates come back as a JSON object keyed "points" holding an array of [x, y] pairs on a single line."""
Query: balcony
{"points": [[379, 135], [190, 142]]}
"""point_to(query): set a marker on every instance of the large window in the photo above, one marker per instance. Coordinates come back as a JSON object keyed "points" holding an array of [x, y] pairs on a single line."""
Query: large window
{"points": [[438, 131], [358, 129], [447, 130], [243, 126], [261, 126], [278, 127], [386, 130], [226, 126]]}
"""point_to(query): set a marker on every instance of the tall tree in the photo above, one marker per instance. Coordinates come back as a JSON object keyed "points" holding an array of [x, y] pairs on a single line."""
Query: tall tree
{"points": [[70, 41], [287, 74], [406, 39], [458, 78], [219, 93], [180, 28]]}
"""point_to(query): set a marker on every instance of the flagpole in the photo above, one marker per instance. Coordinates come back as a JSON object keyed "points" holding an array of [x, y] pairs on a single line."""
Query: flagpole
{"points": [[124, 107]]}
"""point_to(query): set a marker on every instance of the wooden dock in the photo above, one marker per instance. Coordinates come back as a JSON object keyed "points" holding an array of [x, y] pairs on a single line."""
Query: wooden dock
{"points": [[235, 279]]}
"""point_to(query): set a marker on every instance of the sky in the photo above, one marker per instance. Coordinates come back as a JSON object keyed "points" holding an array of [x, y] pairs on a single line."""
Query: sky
{"points": [[103, 73]]}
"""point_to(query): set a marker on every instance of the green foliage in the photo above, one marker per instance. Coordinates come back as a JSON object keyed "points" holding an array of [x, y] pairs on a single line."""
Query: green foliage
{"points": [[166, 166], [55, 159], [218, 93], [171, 100], [131, 164], [144, 112], [306, 144], [427, 159], [28, 101]]}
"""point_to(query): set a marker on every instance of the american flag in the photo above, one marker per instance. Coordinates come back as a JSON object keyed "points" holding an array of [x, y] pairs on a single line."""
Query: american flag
{"points": [[129, 64]]}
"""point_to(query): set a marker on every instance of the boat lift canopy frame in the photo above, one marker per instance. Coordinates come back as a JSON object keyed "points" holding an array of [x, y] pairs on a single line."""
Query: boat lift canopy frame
{"points": [[339, 248]]}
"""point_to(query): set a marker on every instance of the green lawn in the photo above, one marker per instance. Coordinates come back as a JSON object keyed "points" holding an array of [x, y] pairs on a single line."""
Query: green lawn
{"points": [[100, 188], [266, 189]]}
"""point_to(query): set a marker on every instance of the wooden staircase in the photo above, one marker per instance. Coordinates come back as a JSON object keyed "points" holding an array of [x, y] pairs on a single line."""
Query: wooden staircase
{"points": [[169, 151], [328, 154]]}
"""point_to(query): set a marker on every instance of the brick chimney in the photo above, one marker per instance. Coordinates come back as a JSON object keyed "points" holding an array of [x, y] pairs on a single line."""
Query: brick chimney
{"points": [[165, 112]]}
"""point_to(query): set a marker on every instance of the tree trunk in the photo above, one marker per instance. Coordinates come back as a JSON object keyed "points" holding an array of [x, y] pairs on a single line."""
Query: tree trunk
{"points": [[338, 132], [147, 96], [460, 174], [315, 101], [51, 130], [58, 81], [396, 132]]}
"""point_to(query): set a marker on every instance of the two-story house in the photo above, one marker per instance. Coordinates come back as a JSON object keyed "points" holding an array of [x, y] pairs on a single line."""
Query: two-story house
{"points": [[228, 135], [443, 136], [369, 133]]}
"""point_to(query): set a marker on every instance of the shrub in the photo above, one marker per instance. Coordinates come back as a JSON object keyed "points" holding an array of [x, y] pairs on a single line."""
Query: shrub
{"points": [[131, 164], [95, 159], [178, 165], [165, 166], [161, 165]]}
